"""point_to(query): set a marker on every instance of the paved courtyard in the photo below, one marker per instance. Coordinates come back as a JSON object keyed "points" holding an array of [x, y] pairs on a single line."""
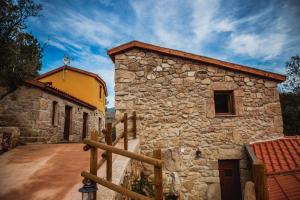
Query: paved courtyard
{"points": [[42, 172]]}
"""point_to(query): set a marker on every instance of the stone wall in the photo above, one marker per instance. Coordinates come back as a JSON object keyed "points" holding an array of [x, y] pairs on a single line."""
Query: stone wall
{"points": [[30, 109], [174, 99]]}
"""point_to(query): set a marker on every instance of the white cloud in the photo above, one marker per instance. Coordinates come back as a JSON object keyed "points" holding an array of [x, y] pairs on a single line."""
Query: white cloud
{"points": [[264, 35], [264, 46], [225, 25], [176, 24], [58, 45], [203, 15]]}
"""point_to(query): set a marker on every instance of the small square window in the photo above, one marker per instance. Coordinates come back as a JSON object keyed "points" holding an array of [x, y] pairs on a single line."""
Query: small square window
{"points": [[224, 102]]}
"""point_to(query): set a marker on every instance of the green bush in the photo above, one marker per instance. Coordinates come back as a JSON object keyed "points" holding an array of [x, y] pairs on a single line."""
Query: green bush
{"points": [[143, 186]]}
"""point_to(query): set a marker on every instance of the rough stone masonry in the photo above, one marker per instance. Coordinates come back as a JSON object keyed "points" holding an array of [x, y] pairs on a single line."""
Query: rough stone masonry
{"points": [[30, 109], [174, 98]]}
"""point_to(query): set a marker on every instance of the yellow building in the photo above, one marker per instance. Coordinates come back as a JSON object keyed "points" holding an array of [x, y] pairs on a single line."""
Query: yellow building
{"points": [[86, 86]]}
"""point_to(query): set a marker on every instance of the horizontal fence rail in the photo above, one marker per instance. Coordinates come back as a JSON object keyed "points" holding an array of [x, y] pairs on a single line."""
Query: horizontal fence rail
{"points": [[108, 134], [125, 153], [94, 143], [114, 187]]}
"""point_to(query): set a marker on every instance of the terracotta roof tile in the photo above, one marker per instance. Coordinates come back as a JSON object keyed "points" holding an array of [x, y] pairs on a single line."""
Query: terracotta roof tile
{"points": [[281, 155], [282, 160], [172, 52], [284, 186]]}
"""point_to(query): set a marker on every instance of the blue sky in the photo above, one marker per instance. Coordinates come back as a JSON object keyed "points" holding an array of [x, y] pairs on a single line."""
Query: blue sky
{"points": [[258, 33]]}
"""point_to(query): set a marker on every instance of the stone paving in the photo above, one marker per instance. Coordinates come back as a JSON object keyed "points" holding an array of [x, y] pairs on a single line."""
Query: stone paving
{"points": [[46, 171], [52, 171]]}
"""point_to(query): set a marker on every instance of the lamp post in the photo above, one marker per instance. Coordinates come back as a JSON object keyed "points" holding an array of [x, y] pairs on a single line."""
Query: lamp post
{"points": [[88, 190]]}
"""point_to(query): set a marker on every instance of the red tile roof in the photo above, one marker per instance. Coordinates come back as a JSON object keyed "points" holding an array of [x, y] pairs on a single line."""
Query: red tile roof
{"points": [[282, 160], [52, 90], [172, 52], [100, 80], [280, 156], [284, 186]]}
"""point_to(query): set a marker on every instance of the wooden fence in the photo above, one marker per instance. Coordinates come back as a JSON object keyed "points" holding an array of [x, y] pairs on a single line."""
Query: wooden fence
{"points": [[93, 144], [259, 176]]}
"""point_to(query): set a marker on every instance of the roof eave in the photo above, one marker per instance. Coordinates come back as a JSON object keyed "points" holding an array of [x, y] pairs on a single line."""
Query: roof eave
{"points": [[172, 52]]}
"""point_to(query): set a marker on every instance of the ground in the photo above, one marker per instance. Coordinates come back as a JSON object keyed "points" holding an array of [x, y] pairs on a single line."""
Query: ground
{"points": [[42, 172]]}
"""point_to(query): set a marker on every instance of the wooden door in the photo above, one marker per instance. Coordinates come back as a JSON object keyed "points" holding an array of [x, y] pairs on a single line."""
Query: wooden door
{"points": [[67, 127], [230, 179], [84, 126]]}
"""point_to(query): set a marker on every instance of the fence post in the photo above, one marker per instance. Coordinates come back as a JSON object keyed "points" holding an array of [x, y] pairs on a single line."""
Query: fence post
{"points": [[94, 157], [108, 139], [158, 176], [260, 180], [134, 124], [125, 131]]}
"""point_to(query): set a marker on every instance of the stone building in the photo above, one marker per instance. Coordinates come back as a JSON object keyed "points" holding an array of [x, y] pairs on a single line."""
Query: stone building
{"points": [[46, 114], [200, 111]]}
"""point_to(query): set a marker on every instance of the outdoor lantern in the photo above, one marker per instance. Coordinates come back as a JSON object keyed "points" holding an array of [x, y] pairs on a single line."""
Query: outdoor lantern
{"points": [[88, 190]]}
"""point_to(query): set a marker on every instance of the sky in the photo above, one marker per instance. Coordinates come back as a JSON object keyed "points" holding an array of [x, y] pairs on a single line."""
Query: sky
{"points": [[262, 34]]}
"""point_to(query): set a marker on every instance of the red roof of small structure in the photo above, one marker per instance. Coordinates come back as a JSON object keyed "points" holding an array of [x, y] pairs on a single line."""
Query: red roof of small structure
{"points": [[173, 52], [96, 76], [283, 187], [282, 160], [52, 90]]}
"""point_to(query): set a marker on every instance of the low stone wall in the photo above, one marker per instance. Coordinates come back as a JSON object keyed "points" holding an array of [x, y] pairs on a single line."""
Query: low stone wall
{"points": [[132, 173], [124, 172]]}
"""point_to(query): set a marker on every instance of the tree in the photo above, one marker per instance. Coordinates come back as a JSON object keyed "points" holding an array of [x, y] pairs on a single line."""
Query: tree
{"points": [[293, 74], [20, 52], [290, 98], [290, 107]]}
